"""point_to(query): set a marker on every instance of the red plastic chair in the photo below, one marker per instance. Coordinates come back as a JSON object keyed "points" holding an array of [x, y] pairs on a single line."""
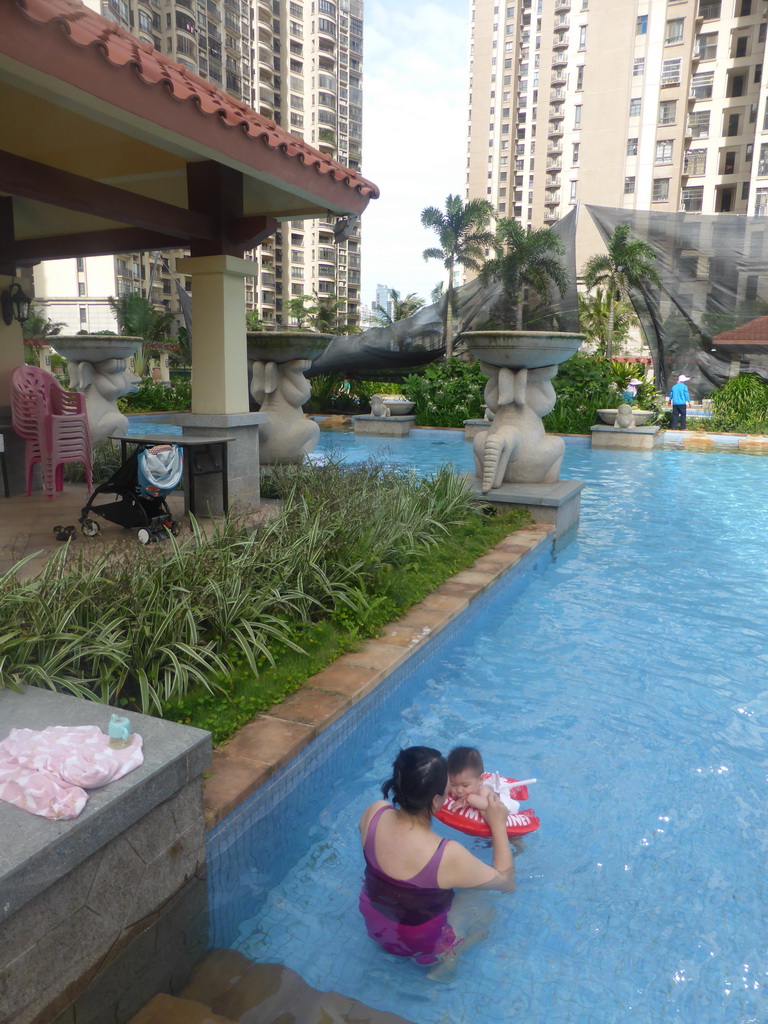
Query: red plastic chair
{"points": [[54, 424]]}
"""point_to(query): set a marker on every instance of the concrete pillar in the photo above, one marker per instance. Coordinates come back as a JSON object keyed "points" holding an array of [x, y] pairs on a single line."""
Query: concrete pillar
{"points": [[11, 356], [220, 363]]}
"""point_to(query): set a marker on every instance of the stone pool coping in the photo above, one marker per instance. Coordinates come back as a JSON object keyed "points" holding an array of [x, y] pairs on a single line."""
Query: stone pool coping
{"points": [[274, 738]]}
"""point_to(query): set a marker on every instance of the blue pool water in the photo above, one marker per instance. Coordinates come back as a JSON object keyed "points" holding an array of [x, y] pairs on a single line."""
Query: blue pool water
{"points": [[629, 676]]}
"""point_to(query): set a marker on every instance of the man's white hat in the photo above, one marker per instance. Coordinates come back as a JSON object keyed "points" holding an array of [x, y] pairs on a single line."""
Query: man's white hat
{"points": [[682, 378], [635, 381]]}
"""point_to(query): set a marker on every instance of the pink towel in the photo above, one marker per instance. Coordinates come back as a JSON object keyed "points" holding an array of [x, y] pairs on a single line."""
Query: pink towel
{"points": [[47, 772]]}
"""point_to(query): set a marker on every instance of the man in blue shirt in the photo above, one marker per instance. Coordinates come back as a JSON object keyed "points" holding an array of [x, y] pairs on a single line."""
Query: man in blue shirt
{"points": [[680, 400]]}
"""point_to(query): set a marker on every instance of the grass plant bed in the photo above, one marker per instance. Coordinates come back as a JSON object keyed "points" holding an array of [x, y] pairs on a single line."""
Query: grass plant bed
{"points": [[213, 630]]}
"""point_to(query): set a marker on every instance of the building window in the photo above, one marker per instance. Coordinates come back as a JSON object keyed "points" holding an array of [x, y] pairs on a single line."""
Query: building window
{"points": [[575, 155], [573, 191], [664, 151], [748, 152], [660, 193], [745, 190], [580, 78], [629, 186], [670, 71], [729, 162], [762, 162], [740, 50], [696, 161], [577, 116], [706, 46], [732, 127], [745, 8], [631, 147], [582, 37], [80, 265], [639, 66], [667, 111], [81, 288], [674, 34], [761, 202], [698, 122], [701, 85], [634, 107], [693, 199], [83, 314], [641, 26]]}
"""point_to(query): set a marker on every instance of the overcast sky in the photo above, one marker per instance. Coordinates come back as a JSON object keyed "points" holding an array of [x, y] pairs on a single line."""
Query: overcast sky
{"points": [[416, 74]]}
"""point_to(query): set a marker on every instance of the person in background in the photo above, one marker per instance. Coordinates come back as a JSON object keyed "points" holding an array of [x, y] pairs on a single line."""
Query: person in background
{"points": [[680, 400], [630, 392]]}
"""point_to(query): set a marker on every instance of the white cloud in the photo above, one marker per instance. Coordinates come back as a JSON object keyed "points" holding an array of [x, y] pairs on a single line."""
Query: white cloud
{"points": [[416, 67]]}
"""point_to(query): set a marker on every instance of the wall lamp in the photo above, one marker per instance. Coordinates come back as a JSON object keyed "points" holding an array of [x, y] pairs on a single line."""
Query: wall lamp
{"points": [[15, 304]]}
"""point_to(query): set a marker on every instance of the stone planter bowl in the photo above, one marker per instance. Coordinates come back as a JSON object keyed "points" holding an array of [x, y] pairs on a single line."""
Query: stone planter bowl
{"points": [[95, 348], [518, 349], [285, 346], [609, 416], [397, 405]]}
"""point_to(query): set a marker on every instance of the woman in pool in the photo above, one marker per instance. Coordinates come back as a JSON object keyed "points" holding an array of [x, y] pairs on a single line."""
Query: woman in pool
{"points": [[410, 872]]}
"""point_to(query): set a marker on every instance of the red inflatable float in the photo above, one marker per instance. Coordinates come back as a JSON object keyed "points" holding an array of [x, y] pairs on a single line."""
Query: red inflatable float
{"points": [[470, 821]]}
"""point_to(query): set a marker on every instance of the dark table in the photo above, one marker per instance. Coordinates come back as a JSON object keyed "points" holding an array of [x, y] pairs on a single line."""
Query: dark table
{"points": [[198, 446]]}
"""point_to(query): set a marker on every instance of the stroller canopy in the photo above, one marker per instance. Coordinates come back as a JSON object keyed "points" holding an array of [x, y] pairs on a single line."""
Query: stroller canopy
{"points": [[160, 469]]}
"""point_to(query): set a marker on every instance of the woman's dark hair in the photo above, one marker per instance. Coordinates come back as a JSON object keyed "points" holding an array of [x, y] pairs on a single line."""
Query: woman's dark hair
{"points": [[461, 758], [419, 774]]}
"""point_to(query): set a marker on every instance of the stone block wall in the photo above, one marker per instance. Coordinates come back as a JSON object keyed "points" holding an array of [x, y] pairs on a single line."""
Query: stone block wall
{"points": [[128, 921]]}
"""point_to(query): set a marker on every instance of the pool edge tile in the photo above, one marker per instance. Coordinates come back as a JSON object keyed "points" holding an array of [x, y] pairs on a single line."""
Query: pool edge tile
{"points": [[285, 730]]}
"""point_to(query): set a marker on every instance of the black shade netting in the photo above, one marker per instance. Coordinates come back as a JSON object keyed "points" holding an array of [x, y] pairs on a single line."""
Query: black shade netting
{"points": [[708, 320]]}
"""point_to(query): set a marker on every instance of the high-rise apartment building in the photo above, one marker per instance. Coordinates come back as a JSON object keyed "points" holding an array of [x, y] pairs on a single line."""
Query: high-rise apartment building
{"points": [[297, 63], [637, 104]]}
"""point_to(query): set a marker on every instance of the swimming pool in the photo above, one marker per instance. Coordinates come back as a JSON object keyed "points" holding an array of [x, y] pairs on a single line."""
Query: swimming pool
{"points": [[628, 676]]}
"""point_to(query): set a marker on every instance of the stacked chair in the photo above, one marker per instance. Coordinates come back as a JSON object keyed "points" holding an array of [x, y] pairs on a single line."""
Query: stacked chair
{"points": [[54, 424]]}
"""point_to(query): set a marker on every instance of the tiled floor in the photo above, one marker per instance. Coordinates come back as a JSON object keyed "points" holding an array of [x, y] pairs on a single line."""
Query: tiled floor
{"points": [[26, 526], [271, 740]]}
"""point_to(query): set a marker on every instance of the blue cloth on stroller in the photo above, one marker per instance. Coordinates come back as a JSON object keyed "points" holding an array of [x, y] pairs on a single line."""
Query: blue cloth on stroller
{"points": [[160, 469]]}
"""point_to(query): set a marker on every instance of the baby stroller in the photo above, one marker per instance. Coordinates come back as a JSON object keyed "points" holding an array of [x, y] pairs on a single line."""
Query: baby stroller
{"points": [[140, 487]]}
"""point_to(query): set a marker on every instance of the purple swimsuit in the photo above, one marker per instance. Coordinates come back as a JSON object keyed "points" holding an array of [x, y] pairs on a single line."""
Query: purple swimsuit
{"points": [[407, 918]]}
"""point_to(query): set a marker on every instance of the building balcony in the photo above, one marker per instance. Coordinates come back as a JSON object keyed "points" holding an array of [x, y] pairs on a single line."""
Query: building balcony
{"points": [[554, 165], [555, 130], [557, 113], [562, 21], [554, 147], [559, 76], [212, 10], [551, 218], [560, 42], [562, 6], [559, 59], [552, 200], [553, 184]]}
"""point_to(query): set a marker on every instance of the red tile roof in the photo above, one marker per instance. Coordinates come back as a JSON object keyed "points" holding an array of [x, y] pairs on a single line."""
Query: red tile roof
{"points": [[753, 333], [82, 27]]}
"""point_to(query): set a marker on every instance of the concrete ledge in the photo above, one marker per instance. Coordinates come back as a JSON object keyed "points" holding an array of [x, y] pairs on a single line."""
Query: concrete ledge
{"points": [[557, 504], [384, 426], [639, 438], [474, 427], [42, 851]]}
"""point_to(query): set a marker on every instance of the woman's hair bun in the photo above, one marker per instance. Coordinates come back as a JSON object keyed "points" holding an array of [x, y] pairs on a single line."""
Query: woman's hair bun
{"points": [[419, 774]]}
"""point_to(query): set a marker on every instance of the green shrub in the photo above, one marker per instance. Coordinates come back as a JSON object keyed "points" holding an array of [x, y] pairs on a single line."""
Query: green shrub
{"points": [[586, 383], [741, 405], [199, 621], [154, 396], [446, 393]]}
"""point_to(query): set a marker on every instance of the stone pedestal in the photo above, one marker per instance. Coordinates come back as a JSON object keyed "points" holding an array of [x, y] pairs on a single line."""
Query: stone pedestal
{"points": [[384, 426], [638, 438], [474, 427], [557, 504], [100, 912], [242, 456]]}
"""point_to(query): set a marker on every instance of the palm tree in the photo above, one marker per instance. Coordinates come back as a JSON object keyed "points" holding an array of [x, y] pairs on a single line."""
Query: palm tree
{"points": [[594, 314], [401, 308], [629, 263], [464, 238], [525, 257], [37, 330], [138, 318]]}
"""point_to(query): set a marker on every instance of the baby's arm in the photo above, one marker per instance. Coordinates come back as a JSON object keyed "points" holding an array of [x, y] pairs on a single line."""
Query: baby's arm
{"points": [[479, 800]]}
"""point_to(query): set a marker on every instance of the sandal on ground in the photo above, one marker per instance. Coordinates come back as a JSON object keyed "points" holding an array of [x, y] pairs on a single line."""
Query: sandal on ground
{"points": [[64, 532]]}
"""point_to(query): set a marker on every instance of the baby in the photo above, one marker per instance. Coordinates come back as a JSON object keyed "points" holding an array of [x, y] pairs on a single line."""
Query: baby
{"points": [[465, 771]]}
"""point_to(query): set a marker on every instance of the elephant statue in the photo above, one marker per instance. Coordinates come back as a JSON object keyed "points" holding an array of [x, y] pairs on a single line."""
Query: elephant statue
{"points": [[102, 384], [379, 407], [281, 389], [516, 448]]}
